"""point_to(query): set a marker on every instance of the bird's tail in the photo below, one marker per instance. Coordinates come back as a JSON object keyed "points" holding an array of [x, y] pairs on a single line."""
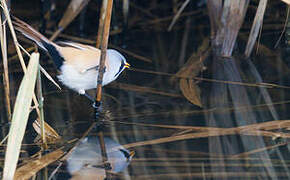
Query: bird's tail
{"points": [[40, 40], [31, 33]]}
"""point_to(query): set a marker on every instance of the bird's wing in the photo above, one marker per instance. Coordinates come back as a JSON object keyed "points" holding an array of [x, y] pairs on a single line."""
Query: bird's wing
{"points": [[76, 45], [82, 57]]}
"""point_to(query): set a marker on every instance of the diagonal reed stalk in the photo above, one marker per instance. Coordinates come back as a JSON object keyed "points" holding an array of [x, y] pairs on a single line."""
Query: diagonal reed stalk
{"points": [[7, 15], [20, 117], [5, 66], [177, 15], [17, 46], [257, 25], [73, 9]]}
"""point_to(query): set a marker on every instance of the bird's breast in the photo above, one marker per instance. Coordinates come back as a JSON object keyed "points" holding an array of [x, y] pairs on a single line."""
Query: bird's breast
{"points": [[77, 78]]}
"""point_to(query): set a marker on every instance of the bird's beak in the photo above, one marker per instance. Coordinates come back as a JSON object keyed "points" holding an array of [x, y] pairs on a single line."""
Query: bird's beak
{"points": [[132, 153], [127, 65]]}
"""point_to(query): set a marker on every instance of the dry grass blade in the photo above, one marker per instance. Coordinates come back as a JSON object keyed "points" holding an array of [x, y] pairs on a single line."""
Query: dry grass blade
{"points": [[41, 68], [20, 117], [178, 15], [178, 138], [258, 129], [257, 25], [246, 154], [72, 11], [30, 169], [143, 89], [49, 77], [284, 28]]}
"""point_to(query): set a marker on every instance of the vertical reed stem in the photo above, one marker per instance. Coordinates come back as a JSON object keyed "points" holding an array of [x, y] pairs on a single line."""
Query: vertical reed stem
{"points": [[5, 67], [101, 23], [104, 44]]}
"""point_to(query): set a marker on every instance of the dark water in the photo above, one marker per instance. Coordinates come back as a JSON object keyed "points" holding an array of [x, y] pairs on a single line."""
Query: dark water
{"points": [[132, 113]]}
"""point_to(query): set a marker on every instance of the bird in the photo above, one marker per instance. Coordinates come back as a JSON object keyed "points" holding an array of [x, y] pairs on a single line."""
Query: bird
{"points": [[77, 63], [86, 157]]}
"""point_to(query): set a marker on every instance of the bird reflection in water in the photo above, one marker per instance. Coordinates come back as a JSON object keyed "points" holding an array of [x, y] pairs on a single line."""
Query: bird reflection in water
{"points": [[85, 162]]}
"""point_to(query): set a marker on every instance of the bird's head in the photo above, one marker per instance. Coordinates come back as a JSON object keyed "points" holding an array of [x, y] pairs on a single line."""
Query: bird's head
{"points": [[118, 62]]}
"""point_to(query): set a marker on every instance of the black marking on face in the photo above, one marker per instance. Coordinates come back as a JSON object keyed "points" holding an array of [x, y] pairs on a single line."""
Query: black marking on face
{"points": [[126, 153], [121, 68]]}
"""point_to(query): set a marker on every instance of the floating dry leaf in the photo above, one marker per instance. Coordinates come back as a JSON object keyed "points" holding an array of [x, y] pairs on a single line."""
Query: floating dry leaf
{"points": [[30, 169], [51, 135], [190, 69]]}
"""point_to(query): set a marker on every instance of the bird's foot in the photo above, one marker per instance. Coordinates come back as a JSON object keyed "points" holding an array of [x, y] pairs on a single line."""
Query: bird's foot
{"points": [[98, 107], [91, 68], [107, 166], [83, 92]]}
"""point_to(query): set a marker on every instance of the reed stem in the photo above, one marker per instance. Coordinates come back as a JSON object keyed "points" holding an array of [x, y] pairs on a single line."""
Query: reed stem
{"points": [[104, 45], [5, 67], [101, 23], [12, 31], [40, 101]]}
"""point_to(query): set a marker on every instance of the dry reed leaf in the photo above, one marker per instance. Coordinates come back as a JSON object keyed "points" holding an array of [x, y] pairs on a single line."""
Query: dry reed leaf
{"points": [[190, 91], [71, 12], [30, 169], [177, 15], [191, 68], [20, 117], [258, 129], [257, 25], [286, 1], [51, 135]]}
